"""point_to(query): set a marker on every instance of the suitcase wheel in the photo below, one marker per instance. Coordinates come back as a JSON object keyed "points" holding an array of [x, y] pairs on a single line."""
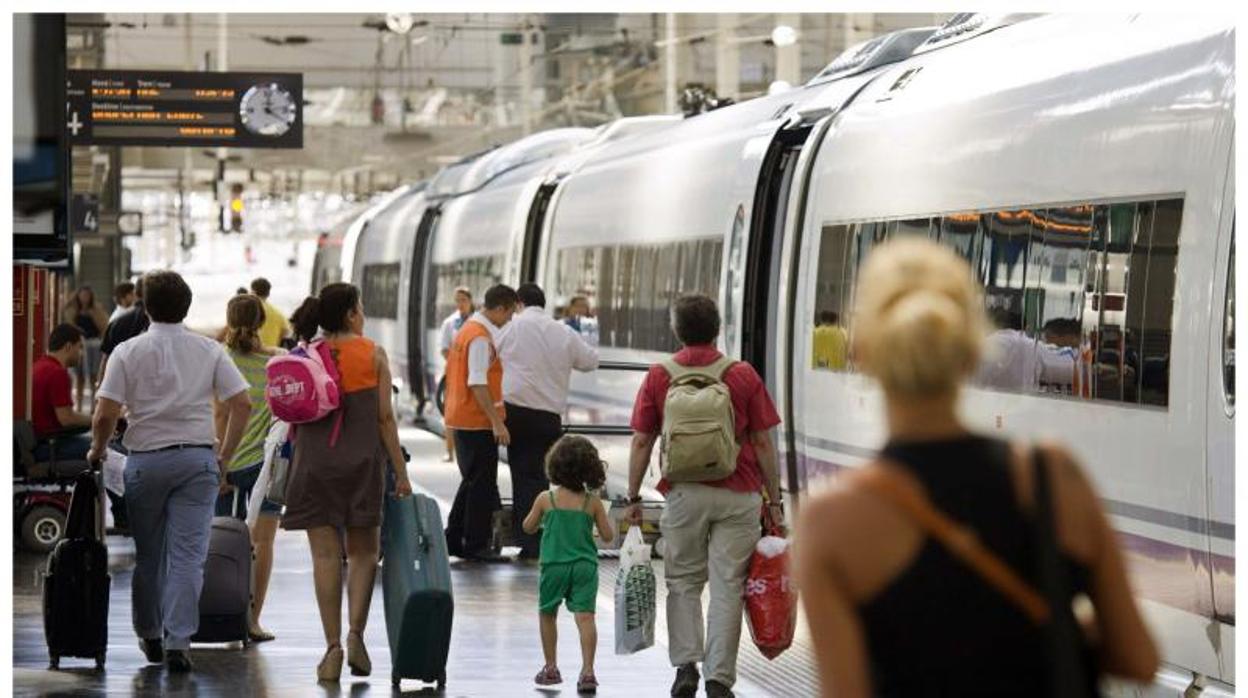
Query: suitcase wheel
{"points": [[395, 680], [99, 662], [54, 662]]}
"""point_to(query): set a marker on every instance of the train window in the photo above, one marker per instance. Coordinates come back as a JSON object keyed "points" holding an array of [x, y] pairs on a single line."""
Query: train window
{"points": [[1228, 329], [380, 290], [830, 343], [631, 287], [1081, 296], [477, 274]]}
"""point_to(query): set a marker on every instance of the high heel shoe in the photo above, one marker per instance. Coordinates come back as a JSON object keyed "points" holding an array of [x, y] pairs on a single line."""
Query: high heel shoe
{"points": [[330, 668], [357, 655]]}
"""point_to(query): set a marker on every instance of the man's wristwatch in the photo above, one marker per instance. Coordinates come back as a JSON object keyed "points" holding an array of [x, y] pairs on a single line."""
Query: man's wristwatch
{"points": [[634, 499]]}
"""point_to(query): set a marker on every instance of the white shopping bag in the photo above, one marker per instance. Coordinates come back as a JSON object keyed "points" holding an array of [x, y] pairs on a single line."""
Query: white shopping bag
{"points": [[272, 442], [114, 472], [634, 596]]}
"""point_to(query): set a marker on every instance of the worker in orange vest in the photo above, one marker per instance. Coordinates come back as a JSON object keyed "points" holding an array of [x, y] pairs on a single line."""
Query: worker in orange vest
{"points": [[474, 410]]}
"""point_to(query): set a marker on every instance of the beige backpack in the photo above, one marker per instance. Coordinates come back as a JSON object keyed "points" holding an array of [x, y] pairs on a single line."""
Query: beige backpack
{"points": [[699, 441]]}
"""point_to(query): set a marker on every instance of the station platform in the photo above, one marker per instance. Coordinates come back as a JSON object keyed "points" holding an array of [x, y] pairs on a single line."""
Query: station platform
{"points": [[495, 649]]}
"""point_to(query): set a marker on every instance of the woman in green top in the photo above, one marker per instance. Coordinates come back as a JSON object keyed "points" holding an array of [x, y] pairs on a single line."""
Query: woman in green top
{"points": [[244, 316], [569, 558]]}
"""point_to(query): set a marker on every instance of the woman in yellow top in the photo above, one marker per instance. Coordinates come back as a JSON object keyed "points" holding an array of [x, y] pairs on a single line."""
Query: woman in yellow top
{"points": [[342, 486]]}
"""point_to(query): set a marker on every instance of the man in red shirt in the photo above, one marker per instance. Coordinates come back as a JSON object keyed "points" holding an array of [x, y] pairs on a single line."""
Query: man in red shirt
{"points": [[52, 403], [710, 527]]}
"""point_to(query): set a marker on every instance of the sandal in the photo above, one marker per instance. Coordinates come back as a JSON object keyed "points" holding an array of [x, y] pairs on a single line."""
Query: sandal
{"points": [[357, 655], [330, 668], [587, 684], [548, 676], [260, 635]]}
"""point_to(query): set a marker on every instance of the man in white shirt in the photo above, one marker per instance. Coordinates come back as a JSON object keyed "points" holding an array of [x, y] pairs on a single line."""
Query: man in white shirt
{"points": [[450, 327], [1017, 362], [166, 380], [539, 354]]}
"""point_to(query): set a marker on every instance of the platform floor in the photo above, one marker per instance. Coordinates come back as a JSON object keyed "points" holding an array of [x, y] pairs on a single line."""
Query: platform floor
{"points": [[495, 649]]}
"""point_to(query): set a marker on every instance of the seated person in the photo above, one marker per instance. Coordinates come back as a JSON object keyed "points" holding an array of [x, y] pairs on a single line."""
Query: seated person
{"points": [[52, 400]]}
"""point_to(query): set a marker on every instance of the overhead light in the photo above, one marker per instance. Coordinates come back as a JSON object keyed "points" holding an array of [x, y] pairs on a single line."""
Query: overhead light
{"points": [[783, 35], [400, 22], [778, 86]]}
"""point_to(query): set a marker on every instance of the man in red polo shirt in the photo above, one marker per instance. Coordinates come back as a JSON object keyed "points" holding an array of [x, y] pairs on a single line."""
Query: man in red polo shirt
{"points": [[51, 397], [710, 527]]}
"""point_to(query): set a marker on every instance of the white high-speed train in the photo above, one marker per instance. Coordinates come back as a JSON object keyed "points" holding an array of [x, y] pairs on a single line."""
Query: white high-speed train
{"points": [[1081, 164]]}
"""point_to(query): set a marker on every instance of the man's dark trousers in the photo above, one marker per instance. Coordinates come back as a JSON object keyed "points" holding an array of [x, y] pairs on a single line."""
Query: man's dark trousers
{"points": [[469, 524], [533, 432]]}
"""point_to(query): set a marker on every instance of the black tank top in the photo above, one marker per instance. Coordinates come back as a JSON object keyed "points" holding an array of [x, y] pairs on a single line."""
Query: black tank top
{"points": [[86, 323], [938, 629]]}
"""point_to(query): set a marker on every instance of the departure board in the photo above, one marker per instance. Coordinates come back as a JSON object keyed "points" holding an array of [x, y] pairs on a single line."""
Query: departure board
{"points": [[136, 107]]}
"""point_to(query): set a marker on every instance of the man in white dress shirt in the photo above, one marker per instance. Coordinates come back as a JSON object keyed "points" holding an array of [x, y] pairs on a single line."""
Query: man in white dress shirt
{"points": [[166, 379], [538, 355]]}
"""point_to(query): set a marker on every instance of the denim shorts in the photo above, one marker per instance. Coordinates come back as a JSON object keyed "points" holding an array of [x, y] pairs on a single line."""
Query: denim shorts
{"points": [[244, 481]]}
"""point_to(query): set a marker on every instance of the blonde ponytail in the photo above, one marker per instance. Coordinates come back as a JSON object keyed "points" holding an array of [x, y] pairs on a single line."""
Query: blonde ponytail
{"points": [[920, 322]]}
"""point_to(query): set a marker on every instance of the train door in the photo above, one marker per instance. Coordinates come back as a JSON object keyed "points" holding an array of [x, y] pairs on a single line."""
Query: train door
{"points": [[762, 252], [534, 225], [417, 308], [1220, 418]]}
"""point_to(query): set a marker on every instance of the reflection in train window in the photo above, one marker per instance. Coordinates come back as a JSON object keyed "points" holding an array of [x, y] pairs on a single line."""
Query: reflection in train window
{"points": [[631, 287], [478, 274], [380, 290], [1081, 297], [830, 345], [1228, 329]]}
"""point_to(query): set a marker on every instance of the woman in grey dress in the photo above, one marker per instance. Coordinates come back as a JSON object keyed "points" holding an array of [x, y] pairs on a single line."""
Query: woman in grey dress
{"points": [[341, 487]]}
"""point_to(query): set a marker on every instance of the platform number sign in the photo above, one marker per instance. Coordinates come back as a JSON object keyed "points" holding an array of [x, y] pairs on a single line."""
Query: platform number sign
{"points": [[85, 210]]}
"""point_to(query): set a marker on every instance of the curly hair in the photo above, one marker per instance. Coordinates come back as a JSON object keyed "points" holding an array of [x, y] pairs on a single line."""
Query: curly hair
{"points": [[573, 463], [244, 315]]}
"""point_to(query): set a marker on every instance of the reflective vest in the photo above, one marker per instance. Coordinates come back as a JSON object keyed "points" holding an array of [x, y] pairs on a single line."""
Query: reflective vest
{"points": [[462, 410]]}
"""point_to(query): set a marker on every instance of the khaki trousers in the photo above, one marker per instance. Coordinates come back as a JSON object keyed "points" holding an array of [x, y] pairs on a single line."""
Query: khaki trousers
{"points": [[710, 534]]}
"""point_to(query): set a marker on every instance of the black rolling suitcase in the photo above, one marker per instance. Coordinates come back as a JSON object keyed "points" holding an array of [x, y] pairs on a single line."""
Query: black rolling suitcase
{"points": [[225, 602], [76, 584]]}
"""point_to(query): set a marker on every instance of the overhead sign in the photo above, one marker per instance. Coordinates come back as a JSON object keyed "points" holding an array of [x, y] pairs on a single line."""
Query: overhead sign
{"points": [[162, 108]]}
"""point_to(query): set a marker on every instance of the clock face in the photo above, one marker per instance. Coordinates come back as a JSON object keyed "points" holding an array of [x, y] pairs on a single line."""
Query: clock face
{"points": [[267, 110]]}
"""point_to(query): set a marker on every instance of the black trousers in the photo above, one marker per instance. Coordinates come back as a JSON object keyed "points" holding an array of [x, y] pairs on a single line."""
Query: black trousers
{"points": [[468, 526], [533, 432]]}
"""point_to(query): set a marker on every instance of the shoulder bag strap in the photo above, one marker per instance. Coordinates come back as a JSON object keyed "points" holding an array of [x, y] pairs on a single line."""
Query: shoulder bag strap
{"points": [[1065, 642], [959, 540]]}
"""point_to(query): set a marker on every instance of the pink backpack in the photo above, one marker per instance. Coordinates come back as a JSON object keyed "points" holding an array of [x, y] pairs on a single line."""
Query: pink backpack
{"points": [[303, 386]]}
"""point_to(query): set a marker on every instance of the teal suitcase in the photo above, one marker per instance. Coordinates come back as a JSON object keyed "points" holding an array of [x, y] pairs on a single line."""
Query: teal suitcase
{"points": [[416, 586]]}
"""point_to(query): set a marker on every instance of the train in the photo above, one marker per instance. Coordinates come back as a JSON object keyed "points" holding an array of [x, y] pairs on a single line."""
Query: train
{"points": [[1083, 165]]}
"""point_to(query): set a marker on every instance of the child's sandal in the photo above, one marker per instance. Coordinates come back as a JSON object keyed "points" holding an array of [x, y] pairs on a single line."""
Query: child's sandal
{"points": [[587, 684], [548, 676]]}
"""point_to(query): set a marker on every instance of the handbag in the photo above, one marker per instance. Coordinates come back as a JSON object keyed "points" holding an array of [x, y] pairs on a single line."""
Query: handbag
{"points": [[770, 594]]}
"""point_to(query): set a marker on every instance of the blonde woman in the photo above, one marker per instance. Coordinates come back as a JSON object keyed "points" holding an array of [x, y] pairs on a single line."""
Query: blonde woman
{"points": [[244, 317], [892, 610]]}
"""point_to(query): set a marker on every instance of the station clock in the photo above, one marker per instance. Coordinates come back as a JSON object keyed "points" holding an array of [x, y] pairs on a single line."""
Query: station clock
{"points": [[268, 110]]}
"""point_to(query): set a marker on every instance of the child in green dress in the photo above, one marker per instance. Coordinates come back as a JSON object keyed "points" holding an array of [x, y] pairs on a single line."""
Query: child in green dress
{"points": [[569, 556]]}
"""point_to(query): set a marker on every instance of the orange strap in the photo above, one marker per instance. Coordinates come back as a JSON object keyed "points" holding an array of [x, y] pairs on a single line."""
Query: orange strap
{"points": [[956, 538]]}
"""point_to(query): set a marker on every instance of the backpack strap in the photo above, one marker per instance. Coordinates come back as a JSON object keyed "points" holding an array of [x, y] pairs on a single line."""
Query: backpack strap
{"points": [[713, 371], [888, 484]]}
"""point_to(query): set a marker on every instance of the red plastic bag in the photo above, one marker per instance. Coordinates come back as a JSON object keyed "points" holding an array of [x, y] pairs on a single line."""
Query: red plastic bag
{"points": [[771, 597]]}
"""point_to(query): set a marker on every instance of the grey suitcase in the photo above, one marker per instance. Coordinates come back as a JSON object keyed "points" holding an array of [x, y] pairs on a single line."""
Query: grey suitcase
{"points": [[225, 602], [416, 586]]}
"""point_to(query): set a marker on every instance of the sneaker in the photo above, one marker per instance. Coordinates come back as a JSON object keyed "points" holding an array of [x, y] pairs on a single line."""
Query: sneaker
{"points": [[154, 650], [548, 676], [715, 689], [587, 684], [178, 661], [686, 684]]}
